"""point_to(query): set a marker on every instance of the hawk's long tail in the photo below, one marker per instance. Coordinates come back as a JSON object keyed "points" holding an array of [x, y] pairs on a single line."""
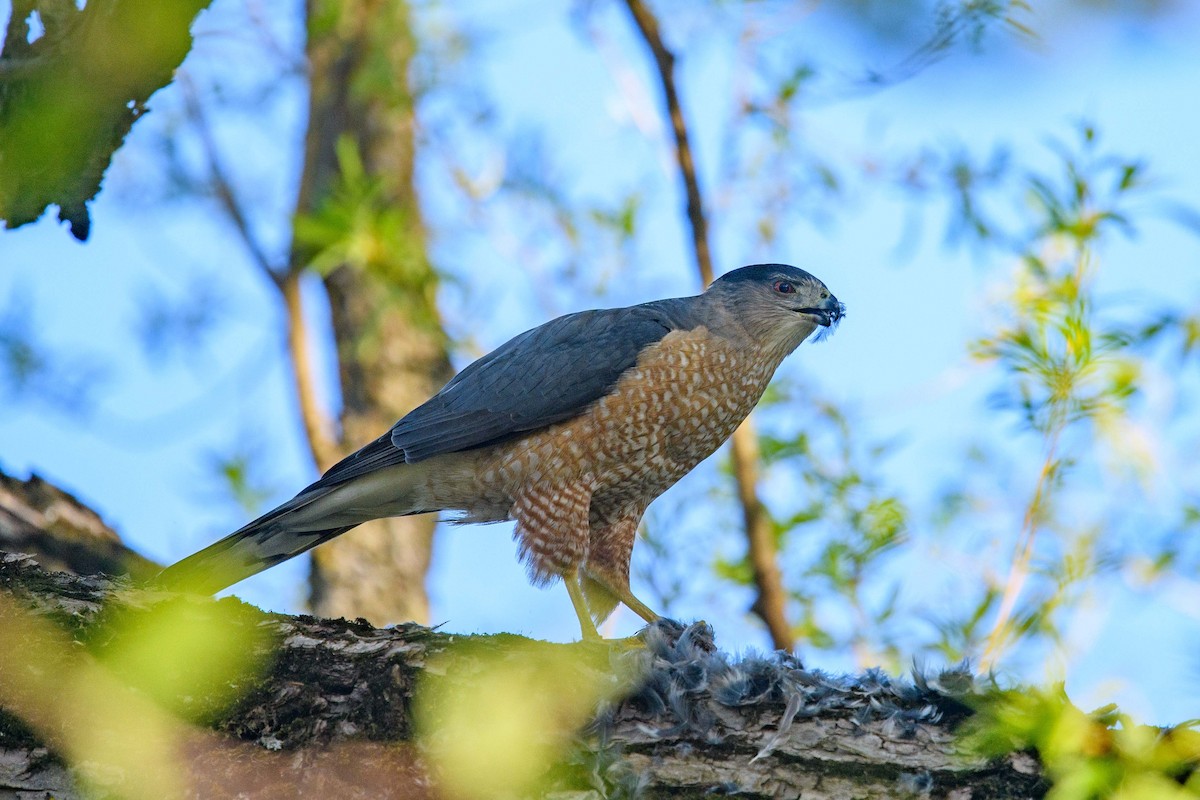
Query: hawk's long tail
{"points": [[258, 546], [316, 515]]}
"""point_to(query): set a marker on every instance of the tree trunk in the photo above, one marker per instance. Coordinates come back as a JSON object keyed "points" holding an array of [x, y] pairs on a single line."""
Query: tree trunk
{"points": [[390, 363], [331, 714], [390, 345]]}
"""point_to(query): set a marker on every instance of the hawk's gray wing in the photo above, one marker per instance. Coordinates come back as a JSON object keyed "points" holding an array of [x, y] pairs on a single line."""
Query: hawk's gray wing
{"points": [[543, 376]]}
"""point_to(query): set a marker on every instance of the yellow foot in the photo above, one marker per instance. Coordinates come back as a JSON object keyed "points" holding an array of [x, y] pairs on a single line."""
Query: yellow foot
{"points": [[586, 627]]}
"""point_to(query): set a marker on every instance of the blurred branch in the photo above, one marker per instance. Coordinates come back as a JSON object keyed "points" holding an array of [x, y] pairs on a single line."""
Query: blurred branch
{"points": [[762, 551], [39, 518], [966, 19], [1019, 571], [1066, 369], [664, 60], [69, 97], [769, 605], [318, 427], [15, 69], [332, 714], [222, 186]]}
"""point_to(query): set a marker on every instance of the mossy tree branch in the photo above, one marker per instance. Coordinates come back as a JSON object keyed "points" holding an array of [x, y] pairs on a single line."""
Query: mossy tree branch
{"points": [[336, 705]]}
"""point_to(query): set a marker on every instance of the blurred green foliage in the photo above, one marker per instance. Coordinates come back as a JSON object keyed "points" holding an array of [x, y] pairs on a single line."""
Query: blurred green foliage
{"points": [[193, 658], [1061, 366], [495, 715], [114, 710], [1088, 756], [356, 225], [69, 96]]}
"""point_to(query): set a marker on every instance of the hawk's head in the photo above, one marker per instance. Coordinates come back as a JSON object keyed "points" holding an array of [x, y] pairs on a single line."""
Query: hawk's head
{"points": [[778, 304]]}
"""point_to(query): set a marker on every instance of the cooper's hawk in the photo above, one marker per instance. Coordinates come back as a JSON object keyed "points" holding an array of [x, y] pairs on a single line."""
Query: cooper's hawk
{"points": [[571, 429]]}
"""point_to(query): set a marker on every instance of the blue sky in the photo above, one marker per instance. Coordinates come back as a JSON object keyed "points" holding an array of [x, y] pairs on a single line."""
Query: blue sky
{"points": [[143, 455]]}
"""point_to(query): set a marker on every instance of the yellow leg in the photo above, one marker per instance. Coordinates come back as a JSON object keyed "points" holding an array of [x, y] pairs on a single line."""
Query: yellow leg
{"points": [[619, 588], [637, 606], [586, 626]]}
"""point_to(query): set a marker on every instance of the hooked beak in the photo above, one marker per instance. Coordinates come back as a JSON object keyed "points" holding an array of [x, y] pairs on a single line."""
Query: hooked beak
{"points": [[830, 312]]}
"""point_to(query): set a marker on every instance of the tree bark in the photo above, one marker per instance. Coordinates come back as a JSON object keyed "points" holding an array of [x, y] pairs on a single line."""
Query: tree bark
{"points": [[391, 350], [332, 714]]}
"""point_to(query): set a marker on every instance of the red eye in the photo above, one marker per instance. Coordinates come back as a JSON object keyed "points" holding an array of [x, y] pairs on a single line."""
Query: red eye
{"points": [[784, 287]]}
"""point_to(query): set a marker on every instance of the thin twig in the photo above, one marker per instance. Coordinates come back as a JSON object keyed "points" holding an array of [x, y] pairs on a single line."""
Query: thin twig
{"points": [[1019, 572], [222, 186], [318, 426], [998, 637], [644, 18], [769, 605]]}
